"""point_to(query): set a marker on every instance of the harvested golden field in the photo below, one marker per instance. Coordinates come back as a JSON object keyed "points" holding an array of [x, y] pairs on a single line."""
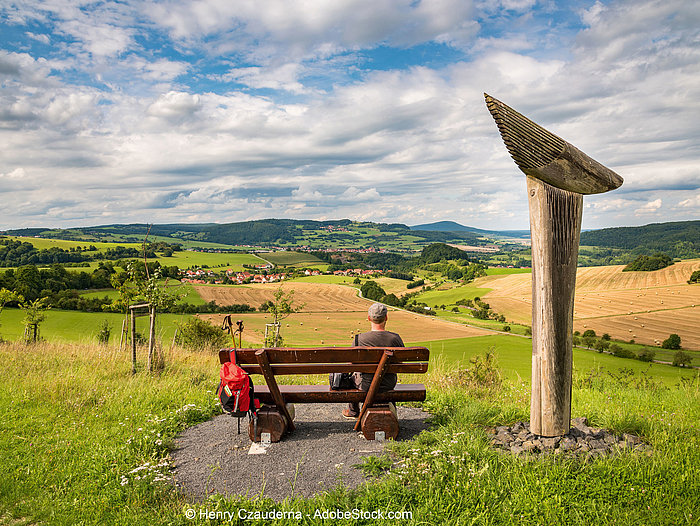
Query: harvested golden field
{"points": [[609, 300], [332, 315], [338, 328], [318, 297]]}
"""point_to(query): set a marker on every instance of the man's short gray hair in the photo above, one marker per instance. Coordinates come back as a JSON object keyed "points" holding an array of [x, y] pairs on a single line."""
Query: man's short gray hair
{"points": [[377, 312]]}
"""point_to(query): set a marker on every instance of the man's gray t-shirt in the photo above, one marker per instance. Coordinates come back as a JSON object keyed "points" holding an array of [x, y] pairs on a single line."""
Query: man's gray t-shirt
{"points": [[378, 339]]}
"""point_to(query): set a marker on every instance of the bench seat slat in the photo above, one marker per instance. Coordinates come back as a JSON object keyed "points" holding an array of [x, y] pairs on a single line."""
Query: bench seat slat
{"points": [[325, 368], [325, 354], [324, 394]]}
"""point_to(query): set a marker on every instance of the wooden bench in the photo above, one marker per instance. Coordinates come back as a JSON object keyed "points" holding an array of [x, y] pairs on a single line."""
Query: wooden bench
{"points": [[273, 362]]}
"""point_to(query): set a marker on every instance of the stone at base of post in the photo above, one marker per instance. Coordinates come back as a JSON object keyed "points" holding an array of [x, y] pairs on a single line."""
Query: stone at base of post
{"points": [[380, 418], [270, 420]]}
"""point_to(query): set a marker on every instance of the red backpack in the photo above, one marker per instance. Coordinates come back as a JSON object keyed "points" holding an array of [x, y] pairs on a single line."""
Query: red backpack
{"points": [[236, 391]]}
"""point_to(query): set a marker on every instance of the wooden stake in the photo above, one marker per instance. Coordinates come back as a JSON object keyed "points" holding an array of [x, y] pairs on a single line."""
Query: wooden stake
{"points": [[133, 341], [151, 338], [555, 226]]}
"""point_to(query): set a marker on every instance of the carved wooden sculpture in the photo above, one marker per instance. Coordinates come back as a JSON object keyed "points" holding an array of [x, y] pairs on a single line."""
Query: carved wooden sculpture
{"points": [[558, 174]]}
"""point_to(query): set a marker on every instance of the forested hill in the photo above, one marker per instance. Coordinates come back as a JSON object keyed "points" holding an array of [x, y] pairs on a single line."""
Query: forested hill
{"points": [[266, 232], [679, 239]]}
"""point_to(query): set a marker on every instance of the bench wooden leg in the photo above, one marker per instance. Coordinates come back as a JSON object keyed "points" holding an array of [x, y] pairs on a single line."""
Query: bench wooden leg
{"points": [[270, 420], [382, 366], [261, 357], [380, 418]]}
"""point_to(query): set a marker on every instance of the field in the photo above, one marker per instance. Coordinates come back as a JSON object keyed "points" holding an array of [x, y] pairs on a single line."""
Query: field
{"points": [[514, 355], [76, 326], [182, 259], [644, 306], [448, 295], [290, 258], [331, 315]]}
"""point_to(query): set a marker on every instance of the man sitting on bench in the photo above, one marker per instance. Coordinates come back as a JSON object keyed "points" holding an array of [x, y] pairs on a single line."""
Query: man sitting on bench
{"points": [[377, 336]]}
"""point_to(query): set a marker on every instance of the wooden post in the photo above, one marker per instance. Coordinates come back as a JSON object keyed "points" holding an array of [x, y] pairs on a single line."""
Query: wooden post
{"points": [[133, 341], [558, 176], [121, 335], [555, 224], [151, 338]]}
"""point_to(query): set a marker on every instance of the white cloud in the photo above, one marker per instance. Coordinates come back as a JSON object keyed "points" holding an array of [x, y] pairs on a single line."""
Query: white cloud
{"points": [[649, 208], [414, 144]]}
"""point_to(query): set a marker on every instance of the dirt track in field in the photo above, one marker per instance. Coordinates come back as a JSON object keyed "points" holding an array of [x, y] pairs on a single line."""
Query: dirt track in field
{"points": [[644, 306]]}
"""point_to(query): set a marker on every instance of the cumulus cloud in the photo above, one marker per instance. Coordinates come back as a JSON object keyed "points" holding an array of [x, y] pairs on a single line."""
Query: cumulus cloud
{"points": [[132, 132]]}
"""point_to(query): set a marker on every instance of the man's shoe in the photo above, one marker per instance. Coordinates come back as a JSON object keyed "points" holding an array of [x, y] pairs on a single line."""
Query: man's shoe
{"points": [[347, 413]]}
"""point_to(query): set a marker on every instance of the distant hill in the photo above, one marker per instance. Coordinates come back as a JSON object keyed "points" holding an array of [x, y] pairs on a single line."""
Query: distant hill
{"points": [[678, 239], [451, 226]]}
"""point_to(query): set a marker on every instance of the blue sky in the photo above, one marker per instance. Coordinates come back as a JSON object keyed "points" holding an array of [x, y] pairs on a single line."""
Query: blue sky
{"points": [[217, 111]]}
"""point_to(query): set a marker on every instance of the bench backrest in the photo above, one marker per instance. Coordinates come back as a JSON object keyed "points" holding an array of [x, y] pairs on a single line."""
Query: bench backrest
{"points": [[318, 360]]}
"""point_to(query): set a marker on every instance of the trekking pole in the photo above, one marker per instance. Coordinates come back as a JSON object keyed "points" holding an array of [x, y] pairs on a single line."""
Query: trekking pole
{"points": [[238, 331]]}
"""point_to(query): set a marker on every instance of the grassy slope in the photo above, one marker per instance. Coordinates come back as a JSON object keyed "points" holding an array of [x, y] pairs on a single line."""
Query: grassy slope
{"points": [[76, 326], [70, 446], [448, 297], [514, 357], [182, 259]]}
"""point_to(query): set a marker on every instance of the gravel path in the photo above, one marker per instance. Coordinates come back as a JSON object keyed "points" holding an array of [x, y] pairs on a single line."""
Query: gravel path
{"points": [[212, 458]]}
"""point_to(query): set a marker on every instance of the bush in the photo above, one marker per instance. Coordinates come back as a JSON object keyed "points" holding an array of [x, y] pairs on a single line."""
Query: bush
{"points": [[104, 333], [681, 359], [590, 333], [372, 291], [528, 331], [618, 351], [455, 309], [601, 345], [196, 333], [672, 342], [605, 337], [646, 355], [416, 283], [506, 328], [588, 341]]}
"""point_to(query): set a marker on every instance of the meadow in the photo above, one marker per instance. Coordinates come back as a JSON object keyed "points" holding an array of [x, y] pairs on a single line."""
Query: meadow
{"points": [[86, 442], [182, 259], [289, 258]]}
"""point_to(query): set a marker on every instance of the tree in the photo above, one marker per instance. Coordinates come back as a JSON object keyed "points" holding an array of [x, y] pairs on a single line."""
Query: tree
{"points": [[672, 342], [681, 359], [104, 333], [590, 333], [695, 277], [35, 313], [281, 307]]}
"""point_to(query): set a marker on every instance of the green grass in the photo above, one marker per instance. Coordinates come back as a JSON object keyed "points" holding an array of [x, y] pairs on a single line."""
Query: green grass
{"points": [[515, 358], [187, 291], [213, 260], [182, 259], [41, 243], [293, 259], [76, 326], [448, 297], [85, 442], [505, 271]]}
